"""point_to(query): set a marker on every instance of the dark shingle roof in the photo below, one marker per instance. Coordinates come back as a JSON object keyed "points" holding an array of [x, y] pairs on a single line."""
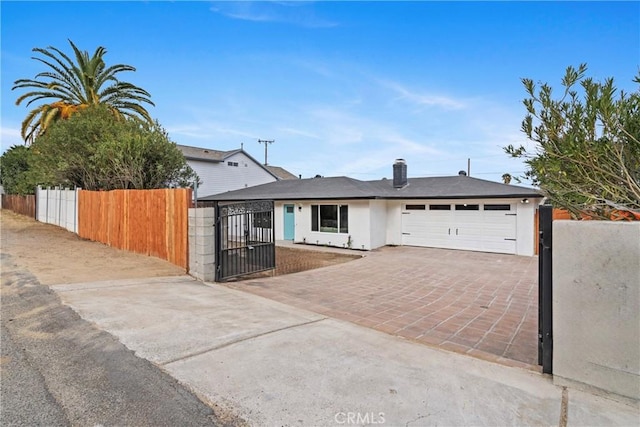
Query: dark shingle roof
{"points": [[451, 187], [205, 154], [281, 173], [446, 187]]}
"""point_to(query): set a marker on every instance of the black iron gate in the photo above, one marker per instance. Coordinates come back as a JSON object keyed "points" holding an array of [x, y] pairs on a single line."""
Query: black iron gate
{"points": [[545, 289], [245, 238]]}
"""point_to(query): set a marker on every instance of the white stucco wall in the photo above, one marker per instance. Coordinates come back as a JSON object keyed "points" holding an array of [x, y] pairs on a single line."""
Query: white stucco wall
{"points": [[394, 223], [596, 304], [220, 177], [278, 219], [378, 223], [359, 224]]}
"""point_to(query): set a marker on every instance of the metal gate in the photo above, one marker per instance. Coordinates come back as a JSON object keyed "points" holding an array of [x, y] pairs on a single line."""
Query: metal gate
{"points": [[245, 238], [545, 289]]}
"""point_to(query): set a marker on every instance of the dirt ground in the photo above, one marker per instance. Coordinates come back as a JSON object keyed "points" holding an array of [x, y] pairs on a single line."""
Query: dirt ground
{"points": [[57, 256], [290, 260]]}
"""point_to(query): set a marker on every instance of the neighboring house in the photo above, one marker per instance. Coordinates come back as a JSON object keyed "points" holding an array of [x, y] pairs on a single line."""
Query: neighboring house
{"points": [[221, 171], [281, 173], [454, 212]]}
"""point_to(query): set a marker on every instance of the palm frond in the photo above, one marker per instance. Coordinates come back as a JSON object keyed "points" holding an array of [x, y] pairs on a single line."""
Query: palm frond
{"points": [[74, 82]]}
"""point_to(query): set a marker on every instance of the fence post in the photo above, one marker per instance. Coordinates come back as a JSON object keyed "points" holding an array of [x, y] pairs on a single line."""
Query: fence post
{"points": [[75, 210], [60, 190], [545, 290], [217, 248], [47, 214]]}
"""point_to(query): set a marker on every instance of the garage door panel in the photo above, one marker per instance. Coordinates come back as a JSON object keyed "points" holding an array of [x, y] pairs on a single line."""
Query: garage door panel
{"points": [[479, 230], [420, 228], [506, 246]]}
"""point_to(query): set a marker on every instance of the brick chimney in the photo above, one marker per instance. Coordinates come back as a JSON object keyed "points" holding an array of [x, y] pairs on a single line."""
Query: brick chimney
{"points": [[399, 173]]}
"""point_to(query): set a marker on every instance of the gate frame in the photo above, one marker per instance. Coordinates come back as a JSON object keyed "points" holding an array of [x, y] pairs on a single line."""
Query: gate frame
{"points": [[545, 289], [219, 250]]}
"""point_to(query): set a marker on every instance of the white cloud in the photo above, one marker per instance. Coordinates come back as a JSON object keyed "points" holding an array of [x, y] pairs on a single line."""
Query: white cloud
{"points": [[294, 13], [298, 132], [421, 98], [10, 137], [211, 131], [328, 133], [9, 133]]}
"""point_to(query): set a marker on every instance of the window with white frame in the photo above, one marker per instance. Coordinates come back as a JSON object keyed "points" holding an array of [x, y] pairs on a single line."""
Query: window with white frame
{"points": [[330, 218]]}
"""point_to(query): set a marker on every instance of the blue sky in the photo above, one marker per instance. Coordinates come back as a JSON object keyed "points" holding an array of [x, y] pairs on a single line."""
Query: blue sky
{"points": [[343, 88]]}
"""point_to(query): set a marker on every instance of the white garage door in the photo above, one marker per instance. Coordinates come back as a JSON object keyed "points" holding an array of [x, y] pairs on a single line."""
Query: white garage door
{"points": [[488, 227]]}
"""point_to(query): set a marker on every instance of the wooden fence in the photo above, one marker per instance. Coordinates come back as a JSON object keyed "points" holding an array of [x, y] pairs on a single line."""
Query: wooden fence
{"points": [[151, 222], [23, 205], [556, 214]]}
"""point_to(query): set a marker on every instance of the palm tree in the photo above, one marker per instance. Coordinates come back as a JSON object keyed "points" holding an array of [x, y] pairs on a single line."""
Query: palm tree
{"points": [[506, 178], [76, 86]]}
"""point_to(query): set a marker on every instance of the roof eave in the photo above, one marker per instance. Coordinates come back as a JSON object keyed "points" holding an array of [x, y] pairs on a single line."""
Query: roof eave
{"points": [[201, 159]]}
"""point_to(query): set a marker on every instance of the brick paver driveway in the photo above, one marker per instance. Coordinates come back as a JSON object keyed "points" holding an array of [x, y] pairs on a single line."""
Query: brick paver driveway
{"points": [[481, 304]]}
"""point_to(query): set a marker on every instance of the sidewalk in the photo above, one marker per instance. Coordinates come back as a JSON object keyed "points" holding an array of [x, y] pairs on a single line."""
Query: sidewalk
{"points": [[272, 364]]}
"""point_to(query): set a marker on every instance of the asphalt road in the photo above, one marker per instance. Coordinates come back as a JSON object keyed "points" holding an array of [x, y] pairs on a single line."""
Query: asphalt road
{"points": [[57, 369]]}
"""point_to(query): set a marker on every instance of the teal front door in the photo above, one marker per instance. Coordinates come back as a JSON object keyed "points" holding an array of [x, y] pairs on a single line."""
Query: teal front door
{"points": [[289, 223]]}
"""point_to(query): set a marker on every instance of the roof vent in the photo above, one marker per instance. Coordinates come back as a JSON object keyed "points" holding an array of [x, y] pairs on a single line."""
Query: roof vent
{"points": [[462, 173], [206, 151], [399, 173]]}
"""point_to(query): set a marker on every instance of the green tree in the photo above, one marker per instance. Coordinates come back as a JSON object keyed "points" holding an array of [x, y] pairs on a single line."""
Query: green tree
{"points": [[15, 171], [74, 86], [587, 153], [95, 151]]}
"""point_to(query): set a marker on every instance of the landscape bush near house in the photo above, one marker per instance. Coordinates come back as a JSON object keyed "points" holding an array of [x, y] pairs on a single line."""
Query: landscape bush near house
{"points": [[96, 151], [587, 154], [14, 171]]}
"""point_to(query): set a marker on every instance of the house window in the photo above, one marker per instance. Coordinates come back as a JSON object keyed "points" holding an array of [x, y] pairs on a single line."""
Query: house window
{"points": [[235, 164], [330, 218], [497, 207], [439, 207], [467, 207], [414, 207]]}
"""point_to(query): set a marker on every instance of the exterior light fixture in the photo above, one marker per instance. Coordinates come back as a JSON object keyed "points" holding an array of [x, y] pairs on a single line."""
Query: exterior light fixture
{"points": [[525, 201]]}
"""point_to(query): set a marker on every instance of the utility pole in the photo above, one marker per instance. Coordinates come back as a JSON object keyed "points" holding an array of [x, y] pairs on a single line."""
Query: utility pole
{"points": [[266, 143]]}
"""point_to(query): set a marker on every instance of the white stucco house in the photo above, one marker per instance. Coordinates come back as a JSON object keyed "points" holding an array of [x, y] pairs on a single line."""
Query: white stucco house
{"points": [[454, 212], [221, 171]]}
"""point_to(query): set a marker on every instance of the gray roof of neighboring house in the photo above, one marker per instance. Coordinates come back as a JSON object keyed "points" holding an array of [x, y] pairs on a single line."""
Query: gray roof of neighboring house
{"points": [[217, 156], [281, 173], [446, 187], [205, 154]]}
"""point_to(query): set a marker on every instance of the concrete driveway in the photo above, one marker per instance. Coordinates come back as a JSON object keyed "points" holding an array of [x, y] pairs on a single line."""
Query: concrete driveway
{"points": [[481, 304], [268, 363]]}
